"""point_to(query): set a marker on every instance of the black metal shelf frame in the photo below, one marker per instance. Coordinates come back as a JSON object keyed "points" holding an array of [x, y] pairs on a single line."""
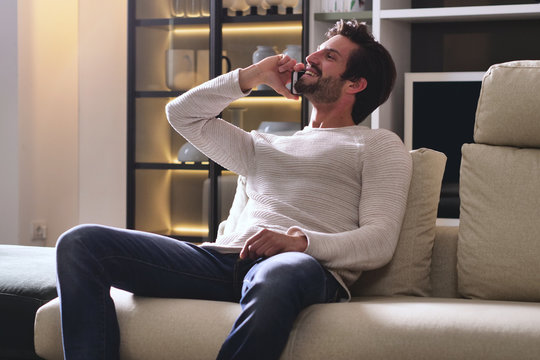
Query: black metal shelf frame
{"points": [[215, 22]]}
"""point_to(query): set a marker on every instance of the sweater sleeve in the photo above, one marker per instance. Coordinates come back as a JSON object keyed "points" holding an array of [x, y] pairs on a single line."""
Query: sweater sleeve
{"points": [[193, 115], [386, 174]]}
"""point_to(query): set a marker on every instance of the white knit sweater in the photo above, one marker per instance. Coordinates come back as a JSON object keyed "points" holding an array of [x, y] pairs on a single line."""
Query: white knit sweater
{"points": [[344, 188]]}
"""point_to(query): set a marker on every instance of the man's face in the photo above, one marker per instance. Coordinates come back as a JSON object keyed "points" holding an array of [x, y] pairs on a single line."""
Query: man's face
{"points": [[322, 82]]}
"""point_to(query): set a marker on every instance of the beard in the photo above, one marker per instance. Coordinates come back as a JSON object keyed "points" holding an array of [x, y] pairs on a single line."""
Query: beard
{"points": [[325, 90]]}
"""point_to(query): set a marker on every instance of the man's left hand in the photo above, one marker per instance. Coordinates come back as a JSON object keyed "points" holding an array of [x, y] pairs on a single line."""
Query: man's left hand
{"points": [[267, 243]]}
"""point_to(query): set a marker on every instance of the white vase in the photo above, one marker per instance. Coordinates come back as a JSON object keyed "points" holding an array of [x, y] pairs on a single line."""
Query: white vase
{"points": [[180, 69], [294, 51], [262, 52], [189, 152], [273, 6]]}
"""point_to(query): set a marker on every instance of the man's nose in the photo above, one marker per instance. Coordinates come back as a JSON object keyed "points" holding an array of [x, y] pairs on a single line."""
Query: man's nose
{"points": [[313, 57]]}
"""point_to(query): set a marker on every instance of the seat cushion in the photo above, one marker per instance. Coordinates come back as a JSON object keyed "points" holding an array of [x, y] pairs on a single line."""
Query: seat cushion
{"points": [[408, 271], [27, 281], [499, 232], [368, 328]]}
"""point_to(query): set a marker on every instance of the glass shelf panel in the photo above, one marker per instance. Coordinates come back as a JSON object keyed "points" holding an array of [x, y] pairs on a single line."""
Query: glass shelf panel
{"points": [[170, 202], [186, 203], [167, 56]]}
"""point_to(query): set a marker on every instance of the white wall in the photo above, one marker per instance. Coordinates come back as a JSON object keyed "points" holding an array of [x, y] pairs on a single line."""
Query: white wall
{"points": [[102, 111], [48, 112], [9, 133], [63, 115]]}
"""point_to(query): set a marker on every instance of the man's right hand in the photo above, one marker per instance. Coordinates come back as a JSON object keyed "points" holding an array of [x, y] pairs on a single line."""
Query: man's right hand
{"points": [[274, 71]]}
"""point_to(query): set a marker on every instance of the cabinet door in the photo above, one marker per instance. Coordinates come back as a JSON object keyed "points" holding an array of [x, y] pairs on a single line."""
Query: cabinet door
{"points": [[168, 55]]}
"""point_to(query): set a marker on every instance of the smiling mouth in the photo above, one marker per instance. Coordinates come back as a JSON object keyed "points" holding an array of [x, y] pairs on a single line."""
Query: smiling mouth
{"points": [[312, 72]]}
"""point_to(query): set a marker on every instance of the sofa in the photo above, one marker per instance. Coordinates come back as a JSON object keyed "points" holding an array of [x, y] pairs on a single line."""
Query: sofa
{"points": [[27, 282], [466, 292]]}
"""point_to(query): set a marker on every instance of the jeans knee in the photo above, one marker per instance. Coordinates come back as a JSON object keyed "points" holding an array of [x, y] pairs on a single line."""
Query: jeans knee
{"points": [[73, 240], [284, 274], [292, 266]]}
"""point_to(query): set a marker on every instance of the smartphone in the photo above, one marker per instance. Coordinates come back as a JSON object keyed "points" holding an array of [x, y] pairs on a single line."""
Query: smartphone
{"points": [[294, 78]]}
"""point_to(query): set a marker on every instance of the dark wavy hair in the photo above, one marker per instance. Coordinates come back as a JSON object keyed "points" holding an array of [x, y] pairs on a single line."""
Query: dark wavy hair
{"points": [[370, 61]]}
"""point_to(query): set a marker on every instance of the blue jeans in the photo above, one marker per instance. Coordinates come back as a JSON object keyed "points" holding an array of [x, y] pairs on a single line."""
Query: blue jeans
{"points": [[272, 291]]}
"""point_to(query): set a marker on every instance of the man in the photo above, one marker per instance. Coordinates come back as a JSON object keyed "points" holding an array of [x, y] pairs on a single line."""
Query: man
{"points": [[322, 206]]}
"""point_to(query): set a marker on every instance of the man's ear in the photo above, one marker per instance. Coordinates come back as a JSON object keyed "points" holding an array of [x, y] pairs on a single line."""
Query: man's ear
{"points": [[357, 86]]}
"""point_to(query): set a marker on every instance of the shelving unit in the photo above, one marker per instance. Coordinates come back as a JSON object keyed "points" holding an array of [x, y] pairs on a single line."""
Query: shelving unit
{"points": [[463, 13], [445, 37], [182, 199]]}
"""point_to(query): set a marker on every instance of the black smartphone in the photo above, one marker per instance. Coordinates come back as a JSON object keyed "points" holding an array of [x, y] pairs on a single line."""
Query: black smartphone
{"points": [[294, 78]]}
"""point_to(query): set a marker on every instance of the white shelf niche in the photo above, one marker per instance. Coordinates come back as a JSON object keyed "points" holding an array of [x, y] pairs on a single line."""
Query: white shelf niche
{"points": [[463, 13]]}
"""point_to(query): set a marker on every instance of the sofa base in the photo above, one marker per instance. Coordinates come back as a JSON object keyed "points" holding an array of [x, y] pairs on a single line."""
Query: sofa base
{"points": [[370, 328]]}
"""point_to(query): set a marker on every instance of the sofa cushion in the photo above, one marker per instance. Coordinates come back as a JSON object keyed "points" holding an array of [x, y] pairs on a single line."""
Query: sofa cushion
{"points": [[443, 274], [499, 233], [408, 272], [508, 111], [27, 281], [367, 328]]}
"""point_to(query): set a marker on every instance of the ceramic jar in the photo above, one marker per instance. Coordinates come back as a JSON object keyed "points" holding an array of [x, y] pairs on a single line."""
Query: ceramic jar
{"points": [[180, 69], [294, 51], [263, 51]]}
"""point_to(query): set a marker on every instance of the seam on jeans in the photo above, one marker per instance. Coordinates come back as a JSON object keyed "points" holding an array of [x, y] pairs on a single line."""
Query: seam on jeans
{"points": [[164, 268]]}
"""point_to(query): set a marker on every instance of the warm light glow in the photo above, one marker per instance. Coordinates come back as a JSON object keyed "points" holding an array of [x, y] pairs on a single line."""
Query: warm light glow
{"points": [[240, 29], [191, 230], [261, 28], [192, 31]]}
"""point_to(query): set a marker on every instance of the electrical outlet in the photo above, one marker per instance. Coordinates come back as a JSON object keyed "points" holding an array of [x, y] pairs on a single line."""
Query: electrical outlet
{"points": [[39, 231]]}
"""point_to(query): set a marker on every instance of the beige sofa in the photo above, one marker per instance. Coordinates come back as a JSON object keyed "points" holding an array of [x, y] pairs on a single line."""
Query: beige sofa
{"points": [[471, 292]]}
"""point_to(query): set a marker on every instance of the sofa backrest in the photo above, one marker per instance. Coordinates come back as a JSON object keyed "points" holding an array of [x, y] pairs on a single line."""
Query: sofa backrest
{"points": [[499, 233]]}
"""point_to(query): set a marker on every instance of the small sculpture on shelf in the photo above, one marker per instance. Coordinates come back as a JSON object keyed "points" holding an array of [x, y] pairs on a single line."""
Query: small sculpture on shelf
{"points": [[273, 6], [239, 6], [289, 6], [254, 6]]}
